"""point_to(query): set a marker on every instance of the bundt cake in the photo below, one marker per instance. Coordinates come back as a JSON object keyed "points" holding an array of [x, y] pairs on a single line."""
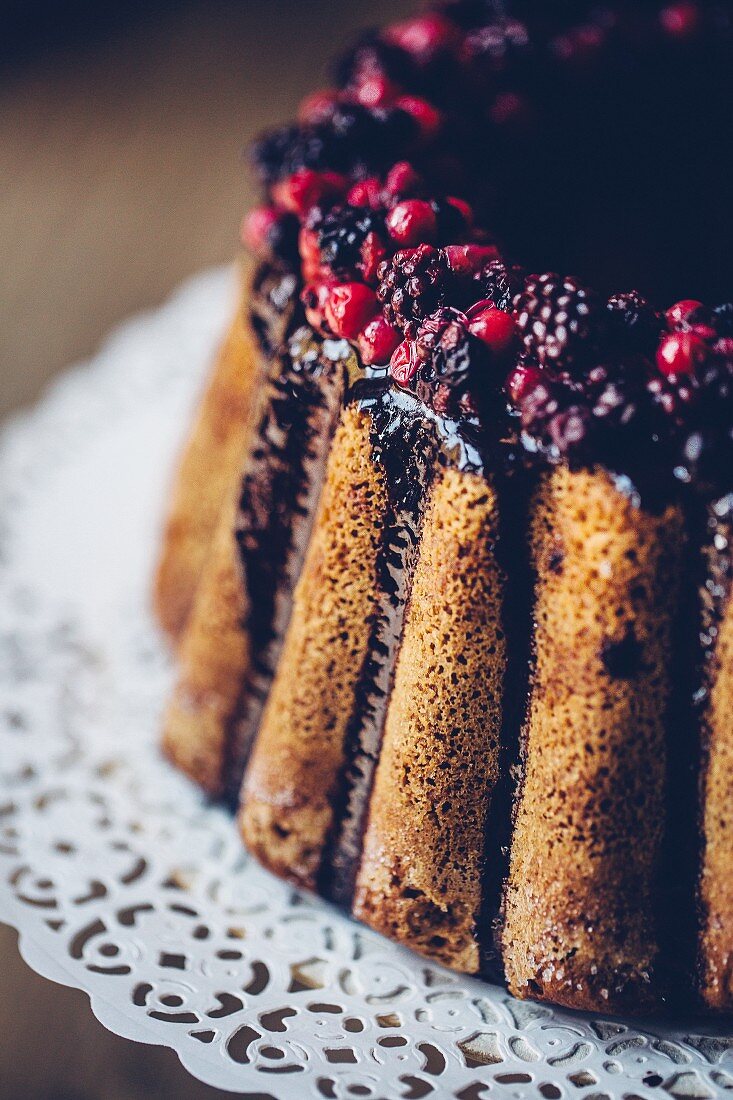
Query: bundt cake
{"points": [[448, 562]]}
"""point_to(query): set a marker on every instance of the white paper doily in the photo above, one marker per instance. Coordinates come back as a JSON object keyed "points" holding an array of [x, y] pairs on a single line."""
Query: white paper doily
{"points": [[124, 883]]}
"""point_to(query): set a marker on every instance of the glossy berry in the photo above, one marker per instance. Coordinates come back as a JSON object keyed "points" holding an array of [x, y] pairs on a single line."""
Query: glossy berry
{"points": [[372, 255], [404, 362], [317, 107], [403, 181], [365, 193], [256, 228], [349, 307], [468, 259], [685, 313], [633, 324], [342, 233], [426, 117], [521, 381], [492, 326], [412, 222], [377, 342], [375, 90], [424, 37], [307, 188], [500, 282], [314, 297], [558, 320], [681, 353], [412, 285]]}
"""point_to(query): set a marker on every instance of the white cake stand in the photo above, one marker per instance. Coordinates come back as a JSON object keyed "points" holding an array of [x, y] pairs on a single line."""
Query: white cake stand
{"points": [[123, 882]]}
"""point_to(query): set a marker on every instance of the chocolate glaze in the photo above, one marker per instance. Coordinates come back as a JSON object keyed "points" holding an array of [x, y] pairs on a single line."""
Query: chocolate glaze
{"points": [[300, 406]]}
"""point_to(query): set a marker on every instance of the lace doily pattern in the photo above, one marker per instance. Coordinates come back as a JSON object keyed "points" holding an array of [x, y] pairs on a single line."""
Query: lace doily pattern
{"points": [[124, 883]]}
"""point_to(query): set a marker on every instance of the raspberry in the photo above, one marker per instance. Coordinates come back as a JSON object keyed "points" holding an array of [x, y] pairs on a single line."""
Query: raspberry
{"points": [[412, 221], [633, 324], [378, 341], [349, 307], [341, 236], [412, 285], [559, 320]]}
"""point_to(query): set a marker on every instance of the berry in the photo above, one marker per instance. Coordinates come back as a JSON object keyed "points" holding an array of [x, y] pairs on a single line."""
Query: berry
{"points": [[685, 313], [310, 253], [558, 320], [269, 232], [492, 326], [365, 193], [500, 283], [427, 119], [378, 341], [317, 107], [680, 20], [467, 259], [403, 181], [424, 37], [306, 189], [375, 89], [451, 360], [314, 297], [341, 236], [404, 362], [349, 307], [633, 324], [412, 285], [681, 353], [520, 381], [373, 252], [412, 222]]}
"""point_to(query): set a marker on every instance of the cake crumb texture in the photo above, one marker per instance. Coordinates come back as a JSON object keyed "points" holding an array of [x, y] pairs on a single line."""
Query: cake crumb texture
{"points": [[420, 880], [292, 778], [579, 919], [210, 465], [716, 883]]}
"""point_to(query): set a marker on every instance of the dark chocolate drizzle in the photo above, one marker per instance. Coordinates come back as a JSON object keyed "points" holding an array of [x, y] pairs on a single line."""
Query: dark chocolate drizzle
{"points": [[301, 404]]}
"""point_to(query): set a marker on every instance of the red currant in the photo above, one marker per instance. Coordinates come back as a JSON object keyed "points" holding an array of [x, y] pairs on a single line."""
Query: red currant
{"points": [[349, 307], [680, 353], [521, 381], [412, 222], [378, 341], [493, 326], [306, 188], [684, 313], [404, 362]]}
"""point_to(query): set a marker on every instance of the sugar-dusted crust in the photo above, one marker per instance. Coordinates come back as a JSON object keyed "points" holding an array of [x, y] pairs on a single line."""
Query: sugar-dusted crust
{"points": [[213, 658], [716, 881], [291, 780], [579, 924], [209, 468], [420, 880]]}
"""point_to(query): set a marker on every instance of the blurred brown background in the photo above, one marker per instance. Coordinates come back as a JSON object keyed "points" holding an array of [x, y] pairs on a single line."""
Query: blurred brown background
{"points": [[121, 132]]}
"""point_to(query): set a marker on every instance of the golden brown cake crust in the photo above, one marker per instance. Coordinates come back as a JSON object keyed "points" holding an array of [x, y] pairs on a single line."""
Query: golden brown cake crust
{"points": [[213, 658], [291, 780], [579, 904], [420, 880], [209, 467], [716, 882]]}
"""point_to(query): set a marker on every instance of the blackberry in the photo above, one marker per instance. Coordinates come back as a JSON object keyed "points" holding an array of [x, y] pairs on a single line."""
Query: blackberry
{"points": [[559, 320], [500, 283], [633, 324], [450, 359], [284, 151], [412, 285], [341, 234]]}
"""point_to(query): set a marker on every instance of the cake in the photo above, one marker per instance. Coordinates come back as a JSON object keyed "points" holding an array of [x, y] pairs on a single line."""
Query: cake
{"points": [[447, 567]]}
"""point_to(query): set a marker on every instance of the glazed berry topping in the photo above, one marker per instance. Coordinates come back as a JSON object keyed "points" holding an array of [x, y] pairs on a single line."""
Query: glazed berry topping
{"points": [[412, 285], [349, 307], [451, 363], [493, 327], [501, 283], [558, 320], [378, 341], [411, 222], [342, 233]]}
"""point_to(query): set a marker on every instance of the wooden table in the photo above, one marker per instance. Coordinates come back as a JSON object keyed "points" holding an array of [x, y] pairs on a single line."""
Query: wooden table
{"points": [[121, 168]]}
